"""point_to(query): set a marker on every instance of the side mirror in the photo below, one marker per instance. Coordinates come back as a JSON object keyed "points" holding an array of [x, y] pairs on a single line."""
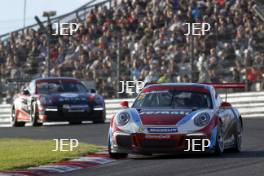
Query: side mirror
{"points": [[93, 91], [25, 92], [225, 105], [124, 104]]}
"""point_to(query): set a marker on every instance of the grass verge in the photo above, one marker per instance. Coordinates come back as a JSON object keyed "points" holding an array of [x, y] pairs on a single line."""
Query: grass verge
{"points": [[23, 153]]}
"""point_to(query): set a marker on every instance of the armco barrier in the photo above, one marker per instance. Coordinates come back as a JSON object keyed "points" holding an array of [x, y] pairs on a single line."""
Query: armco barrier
{"points": [[250, 104]]}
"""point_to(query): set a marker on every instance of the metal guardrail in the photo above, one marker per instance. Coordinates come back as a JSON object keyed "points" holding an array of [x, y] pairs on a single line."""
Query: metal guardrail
{"points": [[250, 104]]}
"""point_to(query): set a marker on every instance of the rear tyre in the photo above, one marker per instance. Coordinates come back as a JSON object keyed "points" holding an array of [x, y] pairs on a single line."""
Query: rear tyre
{"points": [[238, 139], [219, 145], [34, 114], [115, 155], [14, 122]]}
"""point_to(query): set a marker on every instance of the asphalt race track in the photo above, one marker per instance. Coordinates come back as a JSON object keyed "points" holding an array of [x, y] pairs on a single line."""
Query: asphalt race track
{"points": [[89, 133], [248, 163]]}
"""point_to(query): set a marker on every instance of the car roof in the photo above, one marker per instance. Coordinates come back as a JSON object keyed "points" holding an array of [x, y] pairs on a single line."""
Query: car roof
{"points": [[56, 78]]}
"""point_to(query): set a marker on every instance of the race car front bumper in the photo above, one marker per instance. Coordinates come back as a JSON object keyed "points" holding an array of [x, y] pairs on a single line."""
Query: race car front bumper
{"points": [[51, 114], [155, 143]]}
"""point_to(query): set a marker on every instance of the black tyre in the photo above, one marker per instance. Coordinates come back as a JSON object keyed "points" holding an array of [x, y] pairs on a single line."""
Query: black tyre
{"points": [[34, 114], [219, 145], [238, 139], [115, 155], [101, 118], [14, 122]]}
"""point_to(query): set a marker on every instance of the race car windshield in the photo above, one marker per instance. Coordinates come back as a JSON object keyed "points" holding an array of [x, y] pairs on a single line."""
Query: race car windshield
{"points": [[60, 87], [173, 99]]}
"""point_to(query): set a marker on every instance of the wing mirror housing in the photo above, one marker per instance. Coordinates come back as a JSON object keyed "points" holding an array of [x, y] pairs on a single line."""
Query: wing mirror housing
{"points": [[225, 105], [93, 91], [25, 92], [124, 104]]}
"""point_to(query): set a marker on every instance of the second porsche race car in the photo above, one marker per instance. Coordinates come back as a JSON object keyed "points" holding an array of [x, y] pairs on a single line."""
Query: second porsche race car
{"points": [[57, 99], [165, 117]]}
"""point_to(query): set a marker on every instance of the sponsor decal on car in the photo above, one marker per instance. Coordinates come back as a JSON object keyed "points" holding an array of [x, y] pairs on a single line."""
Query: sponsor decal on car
{"points": [[162, 130], [157, 136], [69, 95], [164, 112]]}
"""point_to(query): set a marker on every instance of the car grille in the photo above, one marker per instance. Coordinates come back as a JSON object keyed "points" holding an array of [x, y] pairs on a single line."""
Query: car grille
{"points": [[73, 102], [158, 144]]}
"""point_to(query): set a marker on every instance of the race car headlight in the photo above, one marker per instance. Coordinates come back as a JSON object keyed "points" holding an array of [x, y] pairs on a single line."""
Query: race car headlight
{"points": [[122, 119], [202, 119], [43, 100]]}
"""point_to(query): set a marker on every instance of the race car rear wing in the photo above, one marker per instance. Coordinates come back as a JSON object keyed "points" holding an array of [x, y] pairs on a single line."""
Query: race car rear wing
{"points": [[227, 86], [224, 86]]}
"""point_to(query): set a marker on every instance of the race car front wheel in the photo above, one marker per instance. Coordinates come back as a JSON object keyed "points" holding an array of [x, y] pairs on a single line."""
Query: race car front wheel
{"points": [[115, 155], [34, 114], [14, 122], [237, 139], [101, 118], [219, 145]]}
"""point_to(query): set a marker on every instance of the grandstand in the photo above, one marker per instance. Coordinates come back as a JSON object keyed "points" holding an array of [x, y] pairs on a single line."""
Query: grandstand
{"points": [[142, 39]]}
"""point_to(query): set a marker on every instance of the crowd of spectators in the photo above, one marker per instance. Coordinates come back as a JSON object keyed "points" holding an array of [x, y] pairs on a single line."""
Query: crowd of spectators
{"points": [[145, 40]]}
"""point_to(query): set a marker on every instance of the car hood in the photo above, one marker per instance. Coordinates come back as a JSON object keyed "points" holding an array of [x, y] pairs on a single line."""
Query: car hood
{"points": [[68, 95], [68, 98], [162, 117]]}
